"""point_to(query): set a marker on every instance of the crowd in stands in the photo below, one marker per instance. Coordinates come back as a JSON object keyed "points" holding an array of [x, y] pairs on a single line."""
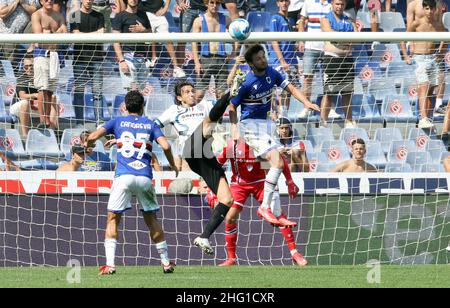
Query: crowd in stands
{"points": [[353, 83]]}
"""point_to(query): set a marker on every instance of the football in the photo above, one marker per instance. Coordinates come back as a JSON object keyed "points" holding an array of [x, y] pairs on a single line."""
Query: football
{"points": [[239, 29]]}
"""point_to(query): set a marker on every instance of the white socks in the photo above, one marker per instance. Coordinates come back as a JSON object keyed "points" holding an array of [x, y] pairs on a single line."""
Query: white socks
{"points": [[162, 250], [269, 185], [110, 250]]}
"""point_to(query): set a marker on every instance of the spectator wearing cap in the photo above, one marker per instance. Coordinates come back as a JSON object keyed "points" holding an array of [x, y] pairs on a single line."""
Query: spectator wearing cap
{"points": [[292, 148], [76, 161], [357, 163]]}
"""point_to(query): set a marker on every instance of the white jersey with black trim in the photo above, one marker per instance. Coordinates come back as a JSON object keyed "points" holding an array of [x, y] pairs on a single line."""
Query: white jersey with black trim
{"points": [[185, 120]]}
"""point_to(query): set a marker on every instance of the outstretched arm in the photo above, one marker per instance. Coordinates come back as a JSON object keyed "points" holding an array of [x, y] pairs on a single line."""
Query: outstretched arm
{"points": [[301, 97], [92, 138]]}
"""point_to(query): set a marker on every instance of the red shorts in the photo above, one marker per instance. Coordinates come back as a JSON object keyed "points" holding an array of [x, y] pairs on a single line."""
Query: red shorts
{"points": [[242, 192]]}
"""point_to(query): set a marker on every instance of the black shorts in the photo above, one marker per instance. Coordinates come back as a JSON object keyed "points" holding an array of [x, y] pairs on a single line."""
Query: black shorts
{"points": [[198, 154], [340, 75]]}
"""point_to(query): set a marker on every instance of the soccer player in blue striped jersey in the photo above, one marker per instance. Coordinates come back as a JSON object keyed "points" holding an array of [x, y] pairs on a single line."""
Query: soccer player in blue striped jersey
{"points": [[134, 134], [255, 126]]}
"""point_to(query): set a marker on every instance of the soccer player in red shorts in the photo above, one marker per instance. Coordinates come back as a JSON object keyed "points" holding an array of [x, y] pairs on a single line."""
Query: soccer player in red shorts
{"points": [[248, 179]]}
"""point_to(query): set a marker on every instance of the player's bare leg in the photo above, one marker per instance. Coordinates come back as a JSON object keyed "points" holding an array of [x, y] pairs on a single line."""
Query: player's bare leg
{"points": [[111, 236], [157, 236], [220, 211], [231, 234]]}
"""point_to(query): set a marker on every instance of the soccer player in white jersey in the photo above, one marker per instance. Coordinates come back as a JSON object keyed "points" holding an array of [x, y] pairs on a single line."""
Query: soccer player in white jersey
{"points": [[135, 135], [254, 97], [194, 123]]}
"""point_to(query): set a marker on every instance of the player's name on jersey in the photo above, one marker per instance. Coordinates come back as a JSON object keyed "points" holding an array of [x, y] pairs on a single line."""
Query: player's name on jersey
{"points": [[135, 125], [52, 183]]}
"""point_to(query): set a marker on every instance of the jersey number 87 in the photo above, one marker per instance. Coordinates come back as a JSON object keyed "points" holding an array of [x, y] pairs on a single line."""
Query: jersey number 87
{"points": [[128, 148]]}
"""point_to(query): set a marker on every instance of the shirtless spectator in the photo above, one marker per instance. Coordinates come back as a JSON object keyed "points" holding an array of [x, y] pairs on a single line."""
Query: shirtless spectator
{"points": [[76, 161], [293, 150], [46, 61], [357, 163], [211, 58], [414, 12], [429, 57]]}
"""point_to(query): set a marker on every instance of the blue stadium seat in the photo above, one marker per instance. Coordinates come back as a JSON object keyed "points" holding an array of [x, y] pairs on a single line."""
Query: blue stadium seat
{"points": [[118, 101], [386, 135], [375, 155], [37, 164], [8, 91], [433, 168], [398, 71], [317, 135], [42, 144], [160, 155], [4, 114], [348, 135], [420, 137], [364, 109], [435, 148], [397, 109], [418, 159], [382, 87], [336, 151], [386, 54], [271, 7], [69, 138], [259, 21], [107, 102], [364, 19], [399, 150], [390, 21], [89, 113], [443, 156], [398, 168], [11, 144]]}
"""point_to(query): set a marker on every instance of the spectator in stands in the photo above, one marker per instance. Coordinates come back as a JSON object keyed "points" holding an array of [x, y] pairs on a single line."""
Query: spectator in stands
{"points": [[92, 160], [132, 57], [15, 15], [189, 11], [103, 7], [282, 54], [232, 7], [357, 163], [310, 16], [76, 161], [429, 58], [338, 62], [46, 61], [415, 11], [9, 165], [211, 59], [88, 59], [156, 10], [293, 149], [26, 94], [294, 9], [447, 165]]}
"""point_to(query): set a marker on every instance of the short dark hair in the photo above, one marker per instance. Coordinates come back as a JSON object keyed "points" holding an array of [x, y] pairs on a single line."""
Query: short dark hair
{"points": [[177, 90], [253, 51], [429, 3], [84, 135], [126, 2], [358, 141], [134, 101]]}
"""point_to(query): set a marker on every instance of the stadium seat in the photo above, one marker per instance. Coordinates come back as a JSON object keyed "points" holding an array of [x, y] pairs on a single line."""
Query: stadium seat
{"points": [[364, 109], [398, 168], [4, 114], [435, 148], [296, 108], [348, 135], [386, 54], [375, 155], [318, 162], [11, 144], [446, 20], [433, 168], [364, 19], [418, 159], [158, 103], [336, 151], [259, 21], [7, 70], [398, 71], [66, 109], [107, 102], [397, 109], [69, 138], [118, 101], [42, 144], [317, 135], [160, 155], [420, 137], [443, 156], [8, 91], [399, 150], [390, 21], [89, 113], [37, 164], [271, 7], [308, 146], [386, 135]]}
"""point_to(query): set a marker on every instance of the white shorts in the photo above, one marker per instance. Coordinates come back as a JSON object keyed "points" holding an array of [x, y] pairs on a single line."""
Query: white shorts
{"points": [[159, 23], [42, 80], [258, 135], [428, 69], [126, 186]]}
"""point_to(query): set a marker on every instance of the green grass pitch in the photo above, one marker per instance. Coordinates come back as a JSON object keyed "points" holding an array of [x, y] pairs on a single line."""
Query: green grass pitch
{"points": [[232, 277]]}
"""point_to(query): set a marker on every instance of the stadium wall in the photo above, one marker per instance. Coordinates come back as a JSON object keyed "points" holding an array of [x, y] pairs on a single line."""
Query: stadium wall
{"points": [[48, 219]]}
